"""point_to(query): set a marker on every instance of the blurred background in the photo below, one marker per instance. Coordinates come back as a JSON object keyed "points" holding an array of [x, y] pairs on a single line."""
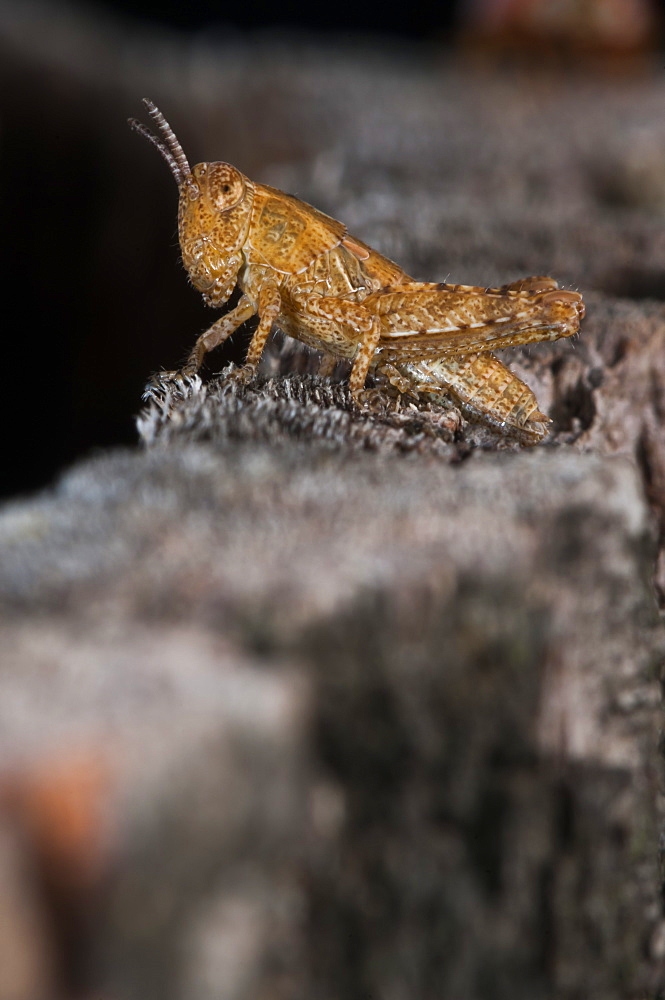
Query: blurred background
{"points": [[94, 296]]}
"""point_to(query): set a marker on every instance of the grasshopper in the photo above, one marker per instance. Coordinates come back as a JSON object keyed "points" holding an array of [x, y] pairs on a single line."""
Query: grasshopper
{"points": [[302, 271]]}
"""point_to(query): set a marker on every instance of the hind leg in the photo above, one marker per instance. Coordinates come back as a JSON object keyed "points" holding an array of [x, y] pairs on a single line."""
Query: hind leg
{"points": [[484, 387]]}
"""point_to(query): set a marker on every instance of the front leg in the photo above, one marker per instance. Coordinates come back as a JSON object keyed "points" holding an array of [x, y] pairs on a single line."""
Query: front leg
{"points": [[268, 309], [220, 331], [215, 335], [270, 304]]}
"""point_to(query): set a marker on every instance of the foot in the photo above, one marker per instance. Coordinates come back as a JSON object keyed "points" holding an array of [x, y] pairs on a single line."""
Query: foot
{"points": [[242, 375], [185, 382]]}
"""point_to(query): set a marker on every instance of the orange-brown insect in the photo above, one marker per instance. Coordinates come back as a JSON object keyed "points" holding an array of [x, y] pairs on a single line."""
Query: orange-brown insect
{"points": [[300, 269]]}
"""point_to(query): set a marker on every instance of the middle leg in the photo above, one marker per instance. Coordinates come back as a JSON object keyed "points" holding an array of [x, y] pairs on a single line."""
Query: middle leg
{"points": [[346, 329]]}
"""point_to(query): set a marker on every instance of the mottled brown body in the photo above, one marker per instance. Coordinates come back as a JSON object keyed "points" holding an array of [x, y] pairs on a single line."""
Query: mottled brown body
{"points": [[300, 269]]}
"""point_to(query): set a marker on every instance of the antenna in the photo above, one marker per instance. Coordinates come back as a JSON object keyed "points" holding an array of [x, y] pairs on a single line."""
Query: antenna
{"points": [[172, 151]]}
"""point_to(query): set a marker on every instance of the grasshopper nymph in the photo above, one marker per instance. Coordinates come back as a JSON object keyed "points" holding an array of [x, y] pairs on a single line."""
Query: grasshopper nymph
{"points": [[300, 269]]}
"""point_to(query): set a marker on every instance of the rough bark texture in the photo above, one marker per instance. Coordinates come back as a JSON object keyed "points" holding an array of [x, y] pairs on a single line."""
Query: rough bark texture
{"points": [[299, 700]]}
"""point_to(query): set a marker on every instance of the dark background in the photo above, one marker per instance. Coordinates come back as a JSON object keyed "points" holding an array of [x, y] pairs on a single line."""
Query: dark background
{"points": [[414, 20]]}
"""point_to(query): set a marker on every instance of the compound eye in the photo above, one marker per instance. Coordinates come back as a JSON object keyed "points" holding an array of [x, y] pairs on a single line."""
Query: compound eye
{"points": [[226, 186]]}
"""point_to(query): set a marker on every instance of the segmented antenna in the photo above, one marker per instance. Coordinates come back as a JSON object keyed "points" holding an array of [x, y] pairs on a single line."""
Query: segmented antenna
{"points": [[172, 151]]}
